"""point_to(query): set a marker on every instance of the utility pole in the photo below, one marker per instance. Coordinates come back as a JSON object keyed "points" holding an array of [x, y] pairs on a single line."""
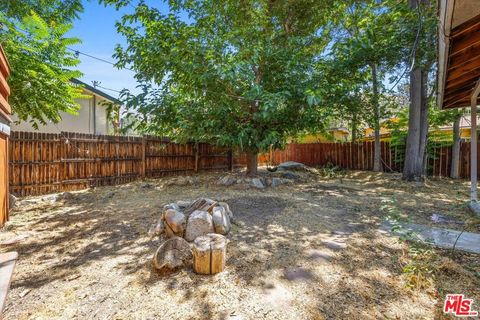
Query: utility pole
{"points": [[94, 111]]}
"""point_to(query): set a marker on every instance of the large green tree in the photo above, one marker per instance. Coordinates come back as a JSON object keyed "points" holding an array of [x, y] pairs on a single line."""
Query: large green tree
{"points": [[33, 34], [238, 73], [368, 46]]}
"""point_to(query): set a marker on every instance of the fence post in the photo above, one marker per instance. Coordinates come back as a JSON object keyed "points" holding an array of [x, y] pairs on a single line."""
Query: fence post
{"points": [[63, 155], [195, 148], [230, 160], [144, 152]]}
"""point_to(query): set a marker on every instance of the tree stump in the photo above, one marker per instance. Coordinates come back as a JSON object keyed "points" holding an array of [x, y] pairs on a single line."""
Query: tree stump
{"points": [[209, 254], [174, 253]]}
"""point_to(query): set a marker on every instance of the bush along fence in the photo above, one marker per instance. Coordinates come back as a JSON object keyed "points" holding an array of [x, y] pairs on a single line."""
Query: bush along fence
{"points": [[44, 163]]}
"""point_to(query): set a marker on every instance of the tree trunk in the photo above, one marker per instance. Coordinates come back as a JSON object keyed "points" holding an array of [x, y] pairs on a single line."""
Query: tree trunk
{"points": [[417, 128], [354, 128], [377, 156], [455, 169], [252, 163], [414, 166]]}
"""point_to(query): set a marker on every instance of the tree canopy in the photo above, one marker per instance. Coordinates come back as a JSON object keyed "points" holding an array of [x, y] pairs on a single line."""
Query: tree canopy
{"points": [[42, 66], [238, 74]]}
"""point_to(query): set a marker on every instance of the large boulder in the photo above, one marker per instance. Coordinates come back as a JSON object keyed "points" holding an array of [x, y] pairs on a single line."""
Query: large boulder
{"points": [[257, 183], [226, 181], [292, 166], [221, 220], [175, 223], [199, 223]]}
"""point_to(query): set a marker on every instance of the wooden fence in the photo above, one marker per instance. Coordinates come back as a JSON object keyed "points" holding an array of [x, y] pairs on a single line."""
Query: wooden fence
{"points": [[359, 156], [42, 163]]}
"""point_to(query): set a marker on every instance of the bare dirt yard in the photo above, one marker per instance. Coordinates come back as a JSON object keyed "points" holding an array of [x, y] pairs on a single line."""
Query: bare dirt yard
{"points": [[307, 250]]}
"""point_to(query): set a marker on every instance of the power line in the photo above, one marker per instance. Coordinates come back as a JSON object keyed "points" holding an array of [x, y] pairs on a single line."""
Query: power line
{"points": [[78, 52], [99, 86]]}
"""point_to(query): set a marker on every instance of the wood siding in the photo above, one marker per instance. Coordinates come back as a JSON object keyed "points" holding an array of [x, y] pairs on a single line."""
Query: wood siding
{"points": [[5, 112]]}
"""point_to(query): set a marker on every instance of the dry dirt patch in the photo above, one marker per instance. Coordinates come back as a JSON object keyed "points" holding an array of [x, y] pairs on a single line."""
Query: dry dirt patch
{"points": [[304, 251]]}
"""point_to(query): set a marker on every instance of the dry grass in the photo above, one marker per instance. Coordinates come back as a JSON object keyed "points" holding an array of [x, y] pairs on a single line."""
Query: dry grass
{"points": [[90, 257]]}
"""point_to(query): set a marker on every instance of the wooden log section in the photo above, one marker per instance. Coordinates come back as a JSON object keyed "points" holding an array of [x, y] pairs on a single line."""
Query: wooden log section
{"points": [[202, 204], [209, 254], [173, 254]]}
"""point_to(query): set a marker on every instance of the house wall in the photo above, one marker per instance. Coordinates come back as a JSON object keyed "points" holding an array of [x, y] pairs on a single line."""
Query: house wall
{"points": [[334, 136], [83, 122], [5, 112]]}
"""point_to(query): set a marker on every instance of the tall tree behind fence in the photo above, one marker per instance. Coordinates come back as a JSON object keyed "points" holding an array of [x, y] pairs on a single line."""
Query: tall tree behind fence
{"points": [[42, 163]]}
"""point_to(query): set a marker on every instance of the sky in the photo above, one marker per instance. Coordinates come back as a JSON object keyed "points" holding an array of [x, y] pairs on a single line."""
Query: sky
{"points": [[96, 29]]}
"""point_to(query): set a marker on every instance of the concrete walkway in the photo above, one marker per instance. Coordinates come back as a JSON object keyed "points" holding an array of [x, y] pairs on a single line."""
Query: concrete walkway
{"points": [[443, 238]]}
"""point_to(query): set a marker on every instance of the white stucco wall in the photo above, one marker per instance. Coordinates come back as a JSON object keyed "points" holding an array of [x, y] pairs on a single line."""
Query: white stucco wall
{"points": [[82, 122]]}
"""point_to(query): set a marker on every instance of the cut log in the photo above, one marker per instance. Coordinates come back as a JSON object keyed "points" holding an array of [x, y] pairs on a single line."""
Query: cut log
{"points": [[209, 254], [173, 254], [175, 223], [199, 224], [221, 220], [201, 204]]}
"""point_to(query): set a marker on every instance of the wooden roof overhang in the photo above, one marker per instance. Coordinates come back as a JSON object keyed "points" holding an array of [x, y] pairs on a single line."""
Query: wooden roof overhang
{"points": [[459, 55]]}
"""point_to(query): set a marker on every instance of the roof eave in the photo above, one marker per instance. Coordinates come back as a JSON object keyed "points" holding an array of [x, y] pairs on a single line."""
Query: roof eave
{"points": [[446, 15]]}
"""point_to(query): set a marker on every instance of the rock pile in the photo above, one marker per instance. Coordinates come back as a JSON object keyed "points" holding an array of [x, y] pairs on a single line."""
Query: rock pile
{"points": [[258, 183], [183, 222]]}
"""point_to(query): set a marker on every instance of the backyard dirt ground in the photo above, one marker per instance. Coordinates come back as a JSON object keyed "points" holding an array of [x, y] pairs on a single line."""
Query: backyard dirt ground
{"points": [[308, 250]]}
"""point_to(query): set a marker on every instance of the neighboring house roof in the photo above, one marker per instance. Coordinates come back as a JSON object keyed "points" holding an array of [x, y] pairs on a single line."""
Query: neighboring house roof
{"points": [[96, 91], [464, 123], [386, 132], [459, 52], [340, 129]]}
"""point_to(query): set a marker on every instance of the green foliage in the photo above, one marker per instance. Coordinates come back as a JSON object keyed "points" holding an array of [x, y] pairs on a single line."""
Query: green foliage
{"points": [[436, 139], [420, 269], [239, 74], [366, 38], [331, 171], [420, 259], [49, 10], [41, 67]]}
